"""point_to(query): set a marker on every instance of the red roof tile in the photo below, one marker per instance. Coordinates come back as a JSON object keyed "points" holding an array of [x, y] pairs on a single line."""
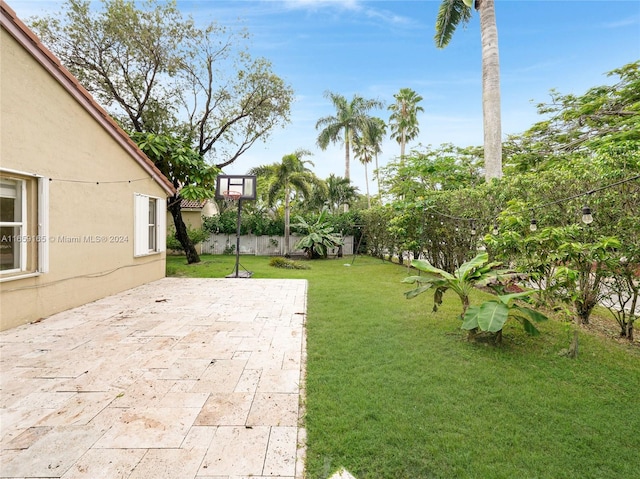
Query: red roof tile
{"points": [[192, 204]]}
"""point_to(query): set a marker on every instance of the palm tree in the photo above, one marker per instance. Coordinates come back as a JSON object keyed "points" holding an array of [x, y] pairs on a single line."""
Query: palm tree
{"points": [[450, 15], [367, 146], [349, 120], [404, 117], [340, 191], [284, 178], [378, 133], [364, 153]]}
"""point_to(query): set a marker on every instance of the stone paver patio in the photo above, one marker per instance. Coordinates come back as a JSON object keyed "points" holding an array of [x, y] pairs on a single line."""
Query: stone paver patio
{"points": [[179, 379]]}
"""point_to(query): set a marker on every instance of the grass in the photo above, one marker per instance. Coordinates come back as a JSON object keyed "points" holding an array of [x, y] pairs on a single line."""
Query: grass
{"points": [[395, 391]]}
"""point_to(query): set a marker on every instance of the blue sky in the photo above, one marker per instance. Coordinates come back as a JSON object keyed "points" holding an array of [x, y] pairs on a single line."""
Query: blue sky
{"points": [[374, 48]]}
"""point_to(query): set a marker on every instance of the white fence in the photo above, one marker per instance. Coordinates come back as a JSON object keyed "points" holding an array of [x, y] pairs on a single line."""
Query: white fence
{"points": [[262, 245]]}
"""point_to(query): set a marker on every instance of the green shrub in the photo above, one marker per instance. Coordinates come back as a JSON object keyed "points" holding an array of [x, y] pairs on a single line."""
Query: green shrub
{"points": [[280, 262], [195, 235]]}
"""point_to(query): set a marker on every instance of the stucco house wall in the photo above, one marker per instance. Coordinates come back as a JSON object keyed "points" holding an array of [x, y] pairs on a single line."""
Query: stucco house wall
{"points": [[85, 187]]}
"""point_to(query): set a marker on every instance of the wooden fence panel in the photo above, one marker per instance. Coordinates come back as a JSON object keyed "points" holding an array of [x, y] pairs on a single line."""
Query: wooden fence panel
{"points": [[261, 245]]}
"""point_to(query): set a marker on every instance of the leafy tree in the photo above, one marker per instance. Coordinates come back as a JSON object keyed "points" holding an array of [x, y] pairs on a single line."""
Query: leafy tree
{"points": [[585, 272], [567, 260], [536, 254], [157, 72], [318, 237], [377, 237], [604, 117], [350, 119], [623, 292], [406, 226], [450, 14], [189, 173], [447, 167], [404, 117], [289, 176]]}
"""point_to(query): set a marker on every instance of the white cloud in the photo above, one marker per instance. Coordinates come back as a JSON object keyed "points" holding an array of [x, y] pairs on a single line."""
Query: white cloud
{"points": [[625, 22], [318, 4]]}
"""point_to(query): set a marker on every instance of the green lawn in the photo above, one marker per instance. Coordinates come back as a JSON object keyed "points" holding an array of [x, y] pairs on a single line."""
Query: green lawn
{"points": [[395, 391]]}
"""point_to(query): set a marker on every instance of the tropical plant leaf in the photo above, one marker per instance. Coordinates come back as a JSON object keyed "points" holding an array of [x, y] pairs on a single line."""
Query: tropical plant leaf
{"points": [[410, 279], [506, 298], [415, 292], [471, 318], [437, 296], [528, 313], [529, 327], [492, 316], [424, 265], [467, 268], [425, 278]]}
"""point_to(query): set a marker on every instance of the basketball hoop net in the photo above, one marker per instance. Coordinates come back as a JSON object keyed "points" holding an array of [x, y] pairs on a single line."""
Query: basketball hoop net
{"points": [[231, 196]]}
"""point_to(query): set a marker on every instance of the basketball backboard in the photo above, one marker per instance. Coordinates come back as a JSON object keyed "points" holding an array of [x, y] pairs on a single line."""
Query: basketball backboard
{"points": [[245, 185]]}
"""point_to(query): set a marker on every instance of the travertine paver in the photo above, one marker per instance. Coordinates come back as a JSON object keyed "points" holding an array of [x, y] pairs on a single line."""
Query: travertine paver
{"points": [[180, 378]]}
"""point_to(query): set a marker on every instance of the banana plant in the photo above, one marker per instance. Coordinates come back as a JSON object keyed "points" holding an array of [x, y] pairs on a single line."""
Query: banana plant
{"points": [[319, 236], [475, 272], [492, 315]]}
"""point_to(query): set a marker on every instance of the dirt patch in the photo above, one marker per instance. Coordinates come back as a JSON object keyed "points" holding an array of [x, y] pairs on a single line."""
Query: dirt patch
{"points": [[607, 327]]}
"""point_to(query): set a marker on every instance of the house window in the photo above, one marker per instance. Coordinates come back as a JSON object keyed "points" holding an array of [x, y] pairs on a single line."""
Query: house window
{"points": [[23, 224], [150, 225], [13, 224], [153, 225]]}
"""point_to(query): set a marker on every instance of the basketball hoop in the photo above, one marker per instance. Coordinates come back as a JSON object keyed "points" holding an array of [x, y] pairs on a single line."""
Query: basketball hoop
{"points": [[231, 196], [236, 189]]}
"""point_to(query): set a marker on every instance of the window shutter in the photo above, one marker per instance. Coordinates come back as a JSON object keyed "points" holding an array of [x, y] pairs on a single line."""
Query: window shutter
{"points": [[140, 228], [43, 225], [161, 210]]}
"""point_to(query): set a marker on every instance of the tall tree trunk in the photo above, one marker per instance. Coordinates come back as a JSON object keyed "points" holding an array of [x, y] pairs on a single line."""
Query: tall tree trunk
{"points": [[347, 146], [181, 230], [574, 346], [366, 180], [490, 90], [378, 179], [629, 329], [287, 221]]}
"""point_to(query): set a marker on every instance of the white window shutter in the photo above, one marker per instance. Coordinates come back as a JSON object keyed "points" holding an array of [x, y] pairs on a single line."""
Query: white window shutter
{"points": [[140, 228], [43, 225], [161, 211]]}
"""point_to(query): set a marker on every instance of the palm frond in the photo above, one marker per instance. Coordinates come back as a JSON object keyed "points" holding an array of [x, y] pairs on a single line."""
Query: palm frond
{"points": [[450, 14]]}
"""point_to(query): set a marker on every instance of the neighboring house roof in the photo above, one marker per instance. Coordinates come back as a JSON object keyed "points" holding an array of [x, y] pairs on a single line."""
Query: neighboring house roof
{"points": [[30, 42], [192, 204]]}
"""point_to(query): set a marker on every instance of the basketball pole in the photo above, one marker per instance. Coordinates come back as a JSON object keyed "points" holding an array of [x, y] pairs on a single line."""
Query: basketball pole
{"points": [[238, 236]]}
